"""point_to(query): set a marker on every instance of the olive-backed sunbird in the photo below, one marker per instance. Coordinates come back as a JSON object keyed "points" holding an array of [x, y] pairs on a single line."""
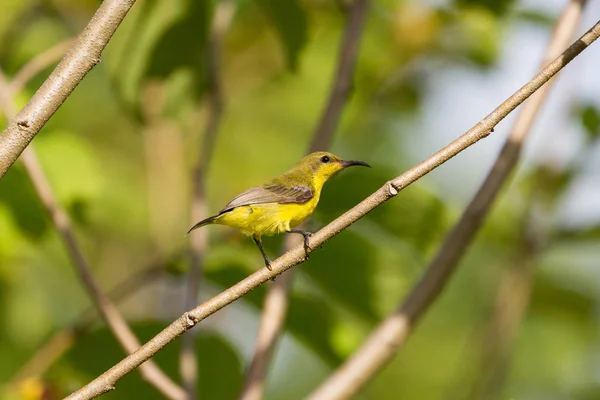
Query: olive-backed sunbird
{"points": [[282, 203]]}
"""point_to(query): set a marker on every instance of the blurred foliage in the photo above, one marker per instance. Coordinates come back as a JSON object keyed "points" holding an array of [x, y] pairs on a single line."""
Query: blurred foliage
{"points": [[590, 119], [119, 152]]}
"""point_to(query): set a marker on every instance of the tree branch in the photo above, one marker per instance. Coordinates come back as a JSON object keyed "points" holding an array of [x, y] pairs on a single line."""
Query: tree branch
{"points": [[277, 298], [342, 84], [381, 346], [510, 305], [296, 255], [83, 56], [64, 339], [198, 241], [124, 335]]}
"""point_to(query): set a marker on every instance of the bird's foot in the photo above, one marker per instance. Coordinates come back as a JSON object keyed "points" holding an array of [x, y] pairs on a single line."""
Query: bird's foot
{"points": [[268, 264], [307, 236], [307, 247]]}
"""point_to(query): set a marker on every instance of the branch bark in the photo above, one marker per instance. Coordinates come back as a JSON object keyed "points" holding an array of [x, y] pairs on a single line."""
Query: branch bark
{"points": [[198, 241], [297, 255], [61, 221], [277, 298], [81, 58], [385, 341]]}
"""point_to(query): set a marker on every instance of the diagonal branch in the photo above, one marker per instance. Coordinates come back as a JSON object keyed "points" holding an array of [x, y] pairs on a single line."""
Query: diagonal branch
{"points": [[510, 305], [64, 339], [198, 242], [277, 298], [297, 255], [124, 335], [381, 346], [81, 58]]}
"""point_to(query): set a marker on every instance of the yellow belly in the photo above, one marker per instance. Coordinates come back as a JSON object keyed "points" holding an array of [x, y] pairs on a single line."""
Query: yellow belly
{"points": [[267, 219]]}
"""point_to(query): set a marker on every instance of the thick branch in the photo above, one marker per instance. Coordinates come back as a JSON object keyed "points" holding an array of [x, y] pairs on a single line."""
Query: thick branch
{"points": [[296, 255], [381, 346], [198, 241], [277, 299], [82, 57], [125, 336]]}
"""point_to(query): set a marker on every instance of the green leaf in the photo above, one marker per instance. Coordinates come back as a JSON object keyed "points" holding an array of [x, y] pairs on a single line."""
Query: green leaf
{"points": [[291, 23], [590, 119], [312, 323], [342, 269], [499, 7], [414, 215], [553, 297], [183, 46], [19, 196], [219, 368], [309, 320]]}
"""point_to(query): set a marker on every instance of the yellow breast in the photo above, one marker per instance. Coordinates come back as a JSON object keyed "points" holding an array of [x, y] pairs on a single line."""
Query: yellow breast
{"points": [[269, 218]]}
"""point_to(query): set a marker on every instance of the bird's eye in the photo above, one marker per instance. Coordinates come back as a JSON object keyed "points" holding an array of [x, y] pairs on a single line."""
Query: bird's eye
{"points": [[325, 159]]}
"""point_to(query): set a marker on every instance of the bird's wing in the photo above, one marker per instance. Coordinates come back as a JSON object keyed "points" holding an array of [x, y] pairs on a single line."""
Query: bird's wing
{"points": [[271, 193]]}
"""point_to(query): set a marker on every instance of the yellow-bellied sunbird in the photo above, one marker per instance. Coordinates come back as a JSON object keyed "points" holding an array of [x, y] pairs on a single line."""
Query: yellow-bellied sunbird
{"points": [[282, 203]]}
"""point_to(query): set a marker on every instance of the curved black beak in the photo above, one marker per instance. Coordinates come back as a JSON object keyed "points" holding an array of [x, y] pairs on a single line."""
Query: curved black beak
{"points": [[351, 163]]}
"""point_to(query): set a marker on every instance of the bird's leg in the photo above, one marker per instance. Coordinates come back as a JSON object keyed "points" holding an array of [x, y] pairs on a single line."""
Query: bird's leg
{"points": [[262, 251], [306, 236]]}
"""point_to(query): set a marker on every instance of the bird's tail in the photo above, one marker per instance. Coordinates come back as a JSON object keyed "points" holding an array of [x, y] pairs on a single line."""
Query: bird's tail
{"points": [[206, 221]]}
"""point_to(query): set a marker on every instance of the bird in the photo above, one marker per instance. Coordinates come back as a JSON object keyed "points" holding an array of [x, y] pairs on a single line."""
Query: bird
{"points": [[283, 203]]}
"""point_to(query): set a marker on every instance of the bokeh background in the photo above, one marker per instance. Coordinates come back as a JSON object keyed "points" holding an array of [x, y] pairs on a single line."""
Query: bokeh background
{"points": [[119, 155]]}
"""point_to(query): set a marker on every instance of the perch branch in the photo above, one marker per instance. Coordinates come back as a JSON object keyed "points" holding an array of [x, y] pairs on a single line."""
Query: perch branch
{"points": [[295, 256], [385, 341], [64, 339], [60, 219], [277, 298]]}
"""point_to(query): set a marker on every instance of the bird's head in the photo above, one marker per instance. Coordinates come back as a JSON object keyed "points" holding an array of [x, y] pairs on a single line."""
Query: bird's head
{"points": [[324, 165]]}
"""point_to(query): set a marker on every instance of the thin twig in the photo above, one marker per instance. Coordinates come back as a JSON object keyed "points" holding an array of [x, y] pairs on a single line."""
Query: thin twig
{"points": [[381, 346], [64, 339], [277, 299], [198, 242], [295, 256], [38, 64], [125, 336], [81, 58]]}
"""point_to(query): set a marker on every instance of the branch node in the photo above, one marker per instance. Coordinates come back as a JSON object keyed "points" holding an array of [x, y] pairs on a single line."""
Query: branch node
{"points": [[24, 124], [190, 320], [392, 189]]}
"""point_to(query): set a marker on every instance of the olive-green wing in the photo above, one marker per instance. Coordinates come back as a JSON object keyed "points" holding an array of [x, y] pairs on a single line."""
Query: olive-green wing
{"points": [[271, 193]]}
